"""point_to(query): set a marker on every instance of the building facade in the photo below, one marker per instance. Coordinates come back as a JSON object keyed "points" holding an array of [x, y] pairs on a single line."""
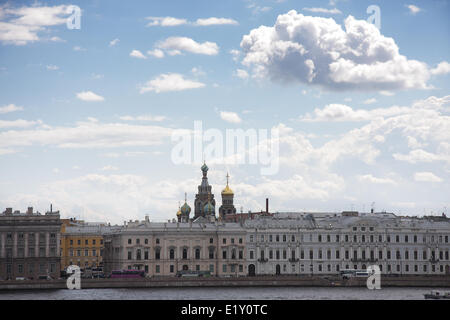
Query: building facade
{"points": [[163, 249], [29, 244], [82, 244], [325, 243]]}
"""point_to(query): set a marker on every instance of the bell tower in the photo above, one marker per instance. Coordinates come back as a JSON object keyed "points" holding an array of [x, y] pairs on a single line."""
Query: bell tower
{"points": [[227, 206]]}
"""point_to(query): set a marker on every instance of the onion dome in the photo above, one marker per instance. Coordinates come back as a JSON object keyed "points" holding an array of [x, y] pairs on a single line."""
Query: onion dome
{"points": [[179, 209], [208, 208], [185, 209], [227, 190]]}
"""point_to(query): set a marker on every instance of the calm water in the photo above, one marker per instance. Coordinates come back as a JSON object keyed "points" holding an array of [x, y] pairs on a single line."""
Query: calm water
{"points": [[264, 293]]}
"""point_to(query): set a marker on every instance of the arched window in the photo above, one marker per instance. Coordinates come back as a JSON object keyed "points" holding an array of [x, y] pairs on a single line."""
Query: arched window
{"points": [[172, 254], [184, 253], [197, 253]]}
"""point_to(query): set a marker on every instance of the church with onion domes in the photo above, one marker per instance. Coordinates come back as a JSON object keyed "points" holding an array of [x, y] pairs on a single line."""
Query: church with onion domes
{"points": [[205, 204]]}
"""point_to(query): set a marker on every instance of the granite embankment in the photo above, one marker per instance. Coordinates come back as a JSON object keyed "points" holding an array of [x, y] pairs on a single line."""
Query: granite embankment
{"points": [[262, 281]]}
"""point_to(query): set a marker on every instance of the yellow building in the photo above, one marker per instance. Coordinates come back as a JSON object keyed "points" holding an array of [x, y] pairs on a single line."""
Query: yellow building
{"points": [[81, 244]]}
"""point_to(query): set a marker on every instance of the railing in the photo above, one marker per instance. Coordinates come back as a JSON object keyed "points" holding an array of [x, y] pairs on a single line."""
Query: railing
{"points": [[364, 260], [263, 260]]}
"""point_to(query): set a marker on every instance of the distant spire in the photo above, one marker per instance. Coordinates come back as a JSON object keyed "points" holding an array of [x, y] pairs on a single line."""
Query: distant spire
{"points": [[185, 197], [228, 176]]}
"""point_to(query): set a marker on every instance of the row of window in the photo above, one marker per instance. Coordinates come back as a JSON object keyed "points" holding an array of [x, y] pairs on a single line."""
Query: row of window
{"points": [[86, 242], [20, 253], [320, 254], [354, 238], [397, 268], [157, 240], [30, 268], [94, 253], [225, 268]]}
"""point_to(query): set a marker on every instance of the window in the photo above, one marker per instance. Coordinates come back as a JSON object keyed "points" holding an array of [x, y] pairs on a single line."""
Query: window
{"points": [[71, 242], [241, 254], [86, 242], [224, 268], [197, 253], [197, 267], [129, 241], [293, 238], [157, 254], [157, 268], [251, 238], [270, 254], [277, 237], [79, 242], [211, 253], [319, 238], [337, 256], [129, 255], [397, 238], [270, 238], [185, 253], [145, 241], [211, 240], [311, 254], [172, 254], [138, 254], [232, 240], [138, 241], [157, 240], [224, 240], [251, 254], [146, 254], [406, 239], [224, 254], [284, 238], [328, 238]]}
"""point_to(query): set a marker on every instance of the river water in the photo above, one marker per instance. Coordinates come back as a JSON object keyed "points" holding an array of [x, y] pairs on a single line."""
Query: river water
{"points": [[244, 293]]}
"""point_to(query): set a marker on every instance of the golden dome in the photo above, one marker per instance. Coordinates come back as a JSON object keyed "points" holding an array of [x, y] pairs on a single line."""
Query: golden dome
{"points": [[227, 190], [178, 212]]}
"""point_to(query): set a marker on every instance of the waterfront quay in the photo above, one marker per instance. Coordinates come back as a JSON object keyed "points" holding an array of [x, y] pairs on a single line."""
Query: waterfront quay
{"points": [[257, 281]]}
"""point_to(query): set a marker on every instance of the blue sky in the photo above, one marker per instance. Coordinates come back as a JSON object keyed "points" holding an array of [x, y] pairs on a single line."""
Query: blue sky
{"points": [[86, 115]]}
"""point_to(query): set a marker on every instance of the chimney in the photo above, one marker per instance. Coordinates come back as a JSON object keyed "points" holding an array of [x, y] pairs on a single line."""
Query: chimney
{"points": [[267, 205], [51, 208], [8, 211], [30, 210]]}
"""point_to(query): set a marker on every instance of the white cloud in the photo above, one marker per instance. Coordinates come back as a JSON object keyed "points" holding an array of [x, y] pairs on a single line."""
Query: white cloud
{"points": [[357, 57], [426, 177], [370, 101], [19, 123], [215, 21], [323, 10], [170, 82], [187, 44], [109, 168], [413, 9], [137, 54], [52, 67], [370, 178], [165, 21], [20, 26], [143, 118], [240, 73], [78, 48], [87, 135], [112, 43], [341, 112], [231, 117], [157, 53], [441, 68], [89, 96], [10, 108], [419, 155]]}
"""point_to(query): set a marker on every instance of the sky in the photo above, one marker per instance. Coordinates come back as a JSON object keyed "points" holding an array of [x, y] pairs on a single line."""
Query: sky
{"points": [[355, 95]]}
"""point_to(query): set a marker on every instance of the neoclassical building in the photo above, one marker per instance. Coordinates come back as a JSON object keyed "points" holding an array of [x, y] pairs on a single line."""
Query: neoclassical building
{"points": [[163, 249], [29, 244], [325, 243]]}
